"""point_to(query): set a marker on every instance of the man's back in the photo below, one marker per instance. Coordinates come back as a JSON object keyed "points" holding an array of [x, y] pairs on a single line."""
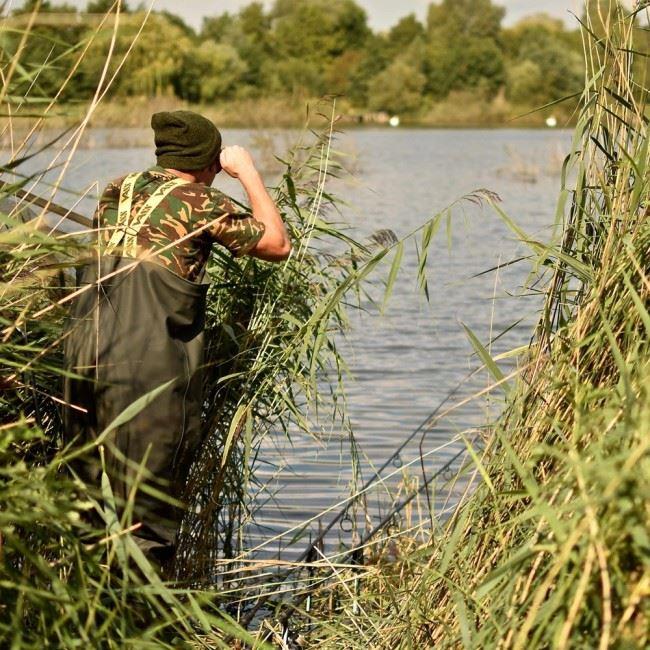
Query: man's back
{"points": [[182, 228]]}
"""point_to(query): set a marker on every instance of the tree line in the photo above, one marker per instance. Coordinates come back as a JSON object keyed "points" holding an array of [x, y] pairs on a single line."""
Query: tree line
{"points": [[306, 48]]}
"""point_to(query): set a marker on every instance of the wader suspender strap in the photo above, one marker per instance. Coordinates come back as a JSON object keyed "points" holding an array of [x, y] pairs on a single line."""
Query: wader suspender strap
{"points": [[129, 231], [123, 212]]}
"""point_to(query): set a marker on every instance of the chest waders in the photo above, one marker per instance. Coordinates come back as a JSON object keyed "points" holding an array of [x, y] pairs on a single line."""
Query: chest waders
{"points": [[136, 327]]}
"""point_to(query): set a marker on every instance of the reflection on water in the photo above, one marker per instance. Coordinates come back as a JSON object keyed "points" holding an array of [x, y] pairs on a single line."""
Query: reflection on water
{"points": [[405, 362]]}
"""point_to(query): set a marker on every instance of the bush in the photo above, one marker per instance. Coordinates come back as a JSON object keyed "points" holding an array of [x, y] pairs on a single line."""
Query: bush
{"points": [[525, 82], [210, 72], [397, 89]]}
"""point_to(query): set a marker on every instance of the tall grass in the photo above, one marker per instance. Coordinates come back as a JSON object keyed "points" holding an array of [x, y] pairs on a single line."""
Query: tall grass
{"points": [[552, 548], [272, 359], [64, 580]]}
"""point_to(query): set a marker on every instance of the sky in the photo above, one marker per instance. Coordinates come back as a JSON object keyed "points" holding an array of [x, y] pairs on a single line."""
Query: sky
{"points": [[381, 13]]}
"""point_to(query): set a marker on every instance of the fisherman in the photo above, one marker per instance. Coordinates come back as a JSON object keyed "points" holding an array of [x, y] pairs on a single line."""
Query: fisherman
{"points": [[137, 323]]}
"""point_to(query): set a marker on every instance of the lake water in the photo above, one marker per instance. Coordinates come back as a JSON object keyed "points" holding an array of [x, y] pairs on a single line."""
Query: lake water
{"points": [[406, 361]]}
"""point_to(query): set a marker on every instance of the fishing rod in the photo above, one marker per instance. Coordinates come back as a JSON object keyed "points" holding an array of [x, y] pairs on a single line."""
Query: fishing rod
{"points": [[292, 608], [425, 426], [48, 205]]}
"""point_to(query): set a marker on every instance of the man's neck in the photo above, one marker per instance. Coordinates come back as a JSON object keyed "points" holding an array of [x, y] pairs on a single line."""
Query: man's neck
{"points": [[186, 176]]}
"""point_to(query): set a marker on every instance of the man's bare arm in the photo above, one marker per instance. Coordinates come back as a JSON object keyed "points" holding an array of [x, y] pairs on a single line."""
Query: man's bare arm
{"points": [[274, 245]]}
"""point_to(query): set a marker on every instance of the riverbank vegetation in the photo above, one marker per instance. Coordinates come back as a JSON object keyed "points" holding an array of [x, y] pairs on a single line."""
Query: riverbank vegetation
{"points": [[550, 545], [552, 548], [260, 66], [71, 574]]}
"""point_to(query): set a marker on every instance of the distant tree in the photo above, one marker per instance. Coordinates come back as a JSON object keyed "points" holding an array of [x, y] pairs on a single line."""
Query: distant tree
{"points": [[562, 69], [296, 76], [463, 47], [397, 89], [404, 33], [468, 64], [30, 5], [45, 7], [342, 73], [209, 72], [542, 47], [249, 33], [318, 29], [470, 18], [536, 27], [218, 28], [525, 82], [48, 51], [310, 47], [374, 57], [254, 21], [514, 37], [151, 66], [175, 19], [254, 43]]}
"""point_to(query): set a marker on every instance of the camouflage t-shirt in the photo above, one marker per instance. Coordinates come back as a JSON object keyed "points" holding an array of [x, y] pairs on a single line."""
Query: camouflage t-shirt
{"points": [[191, 218]]}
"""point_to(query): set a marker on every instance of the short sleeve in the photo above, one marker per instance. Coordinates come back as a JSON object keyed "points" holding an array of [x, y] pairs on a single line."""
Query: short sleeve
{"points": [[238, 232]]}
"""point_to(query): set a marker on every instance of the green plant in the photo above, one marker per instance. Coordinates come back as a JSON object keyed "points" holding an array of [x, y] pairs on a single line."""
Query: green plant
{"points": [[551, 548], [70, 572]]}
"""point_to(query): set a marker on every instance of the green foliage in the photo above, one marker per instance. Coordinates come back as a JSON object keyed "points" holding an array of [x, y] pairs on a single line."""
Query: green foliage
{"points": [[404, 33], [151, 65], [550, 546], [48, 53], [307, 48], [555, 61], [525, 80], [397, 89], [210, 72], [71, 573], [103, 6], [452, 19], [463, 49], [45, 6], [318, 29]]}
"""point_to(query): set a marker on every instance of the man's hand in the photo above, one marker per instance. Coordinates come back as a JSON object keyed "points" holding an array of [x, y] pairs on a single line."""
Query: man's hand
{"points": [[237, 162], [274, 245]]}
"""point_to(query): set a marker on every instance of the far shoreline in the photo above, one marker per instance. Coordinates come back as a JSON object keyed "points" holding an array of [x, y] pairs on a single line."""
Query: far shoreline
{"points": [[124, 137], [277, 113]]}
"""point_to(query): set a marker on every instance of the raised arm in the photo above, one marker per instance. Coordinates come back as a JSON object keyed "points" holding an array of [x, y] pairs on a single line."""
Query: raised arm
{"points": [[274, 245]]}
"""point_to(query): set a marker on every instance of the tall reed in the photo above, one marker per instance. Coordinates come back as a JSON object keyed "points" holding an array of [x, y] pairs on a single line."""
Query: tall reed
{"points": [[551, 549], [63, 580]]}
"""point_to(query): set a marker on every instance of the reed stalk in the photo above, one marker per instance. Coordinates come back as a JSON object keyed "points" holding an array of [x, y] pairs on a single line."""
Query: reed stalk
{"points": [[64, 580], [551, 548]]}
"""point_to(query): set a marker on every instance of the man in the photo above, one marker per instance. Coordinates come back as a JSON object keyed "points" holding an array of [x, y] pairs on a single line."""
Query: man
{"points": [[137, 324]]}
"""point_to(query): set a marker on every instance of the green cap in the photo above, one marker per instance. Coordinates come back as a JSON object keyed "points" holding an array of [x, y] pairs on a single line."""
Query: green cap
{"points": [[185, 140]]}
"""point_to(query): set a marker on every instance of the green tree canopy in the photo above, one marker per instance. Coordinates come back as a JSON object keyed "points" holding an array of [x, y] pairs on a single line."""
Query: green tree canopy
{"points": [[470, 18], [45, 7], [209, 72], [398, 88], [540, 47], [464, 49], [318, 29], [306, 48]]}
